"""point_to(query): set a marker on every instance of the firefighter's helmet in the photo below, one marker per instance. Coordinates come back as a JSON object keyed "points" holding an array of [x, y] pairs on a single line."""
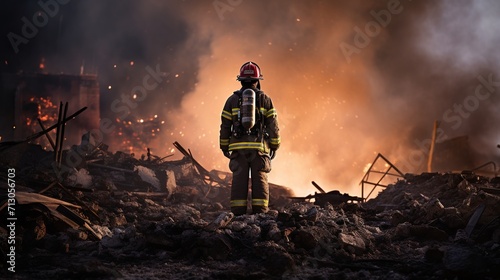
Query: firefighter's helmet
{"points": [[249, 71]]}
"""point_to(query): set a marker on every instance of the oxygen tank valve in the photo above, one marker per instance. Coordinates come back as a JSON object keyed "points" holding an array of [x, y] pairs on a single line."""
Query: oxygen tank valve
{"points": [[248, 108]]}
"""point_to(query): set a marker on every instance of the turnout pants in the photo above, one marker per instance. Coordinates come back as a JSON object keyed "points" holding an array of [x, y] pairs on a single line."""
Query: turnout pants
{"points": [[258, 164]]}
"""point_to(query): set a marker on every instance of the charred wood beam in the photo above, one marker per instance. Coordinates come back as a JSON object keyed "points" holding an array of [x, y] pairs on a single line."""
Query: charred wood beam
{"points": [[43, 132], [190, 156], [203, 172], [161, 159], [68, 213], [150, 194], [58, 132], [318, 187], [80, 202], [10, 144], [61, 141], [51, 141]]}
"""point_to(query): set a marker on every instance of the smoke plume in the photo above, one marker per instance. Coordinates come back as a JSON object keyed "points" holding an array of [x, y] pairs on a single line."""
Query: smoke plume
{"points": [[350, 79]]}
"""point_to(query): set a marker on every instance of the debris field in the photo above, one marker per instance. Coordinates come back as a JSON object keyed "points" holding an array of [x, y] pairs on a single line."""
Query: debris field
{"points": [[112, 216]]}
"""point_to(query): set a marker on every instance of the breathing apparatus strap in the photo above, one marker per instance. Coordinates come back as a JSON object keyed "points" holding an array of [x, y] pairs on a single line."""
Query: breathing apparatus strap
{"points": [[238, 130]]}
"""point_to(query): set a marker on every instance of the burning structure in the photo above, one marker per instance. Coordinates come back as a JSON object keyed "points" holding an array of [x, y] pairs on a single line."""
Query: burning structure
{"points": [[31, 101]]}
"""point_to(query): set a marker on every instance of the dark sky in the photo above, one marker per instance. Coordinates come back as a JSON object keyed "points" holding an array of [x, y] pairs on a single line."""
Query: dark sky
{"points": [[350, 79], [99, 35]]}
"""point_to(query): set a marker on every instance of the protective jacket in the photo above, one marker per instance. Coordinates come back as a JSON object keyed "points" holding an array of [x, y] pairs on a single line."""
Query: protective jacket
{"points": [[263, 136], [249, 150]]}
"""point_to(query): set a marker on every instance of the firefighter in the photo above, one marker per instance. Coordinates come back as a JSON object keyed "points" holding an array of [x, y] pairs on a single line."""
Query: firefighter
{"points": [[249, 137]]}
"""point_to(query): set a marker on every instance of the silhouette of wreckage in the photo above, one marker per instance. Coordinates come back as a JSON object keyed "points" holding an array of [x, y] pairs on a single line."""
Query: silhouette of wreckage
{"points": [[332, 197]]}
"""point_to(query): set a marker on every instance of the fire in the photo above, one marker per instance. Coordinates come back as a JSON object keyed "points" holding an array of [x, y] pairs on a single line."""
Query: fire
{"points": [[136, 135], [46, 111], [42, 64]]}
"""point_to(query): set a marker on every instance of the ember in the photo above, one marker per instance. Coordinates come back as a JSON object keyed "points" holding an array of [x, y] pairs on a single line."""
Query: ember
{"points": [[136, 134]]}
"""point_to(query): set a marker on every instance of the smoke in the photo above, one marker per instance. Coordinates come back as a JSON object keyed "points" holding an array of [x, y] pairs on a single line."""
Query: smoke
{"points": [[337, 112], [433, 65], [313, 88], [349, 79]]}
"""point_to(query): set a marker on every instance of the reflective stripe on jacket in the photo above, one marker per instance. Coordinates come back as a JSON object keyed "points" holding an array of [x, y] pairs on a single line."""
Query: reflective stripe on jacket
{"points": [[229, 123]]}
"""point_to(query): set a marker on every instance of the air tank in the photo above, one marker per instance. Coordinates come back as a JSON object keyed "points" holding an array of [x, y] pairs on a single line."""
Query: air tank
{"points": [[248, 108]]}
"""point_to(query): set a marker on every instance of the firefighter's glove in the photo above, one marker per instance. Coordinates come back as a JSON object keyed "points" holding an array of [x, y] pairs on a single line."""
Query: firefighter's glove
{"points": [[226, 153], [272, 153]]}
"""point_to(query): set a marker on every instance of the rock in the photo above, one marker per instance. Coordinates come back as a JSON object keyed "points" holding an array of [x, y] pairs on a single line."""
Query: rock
{"points": [[312, 214], [252, 232], [434, 208], [272, 213], [112, 242], [461, 236], [352, 243], [275, 258], [274, 233], [129, 232], [397, 218], [221, 221], [217, 246], [118, 220], [304, 239], [149, 176], [237, 226]]}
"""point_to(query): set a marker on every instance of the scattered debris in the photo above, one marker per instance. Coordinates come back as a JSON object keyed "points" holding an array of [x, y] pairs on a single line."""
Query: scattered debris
{"points": [[115, 216]]}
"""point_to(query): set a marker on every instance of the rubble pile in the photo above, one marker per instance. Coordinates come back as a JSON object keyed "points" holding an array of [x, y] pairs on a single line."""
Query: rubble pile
{"points": [[114, 216]]}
